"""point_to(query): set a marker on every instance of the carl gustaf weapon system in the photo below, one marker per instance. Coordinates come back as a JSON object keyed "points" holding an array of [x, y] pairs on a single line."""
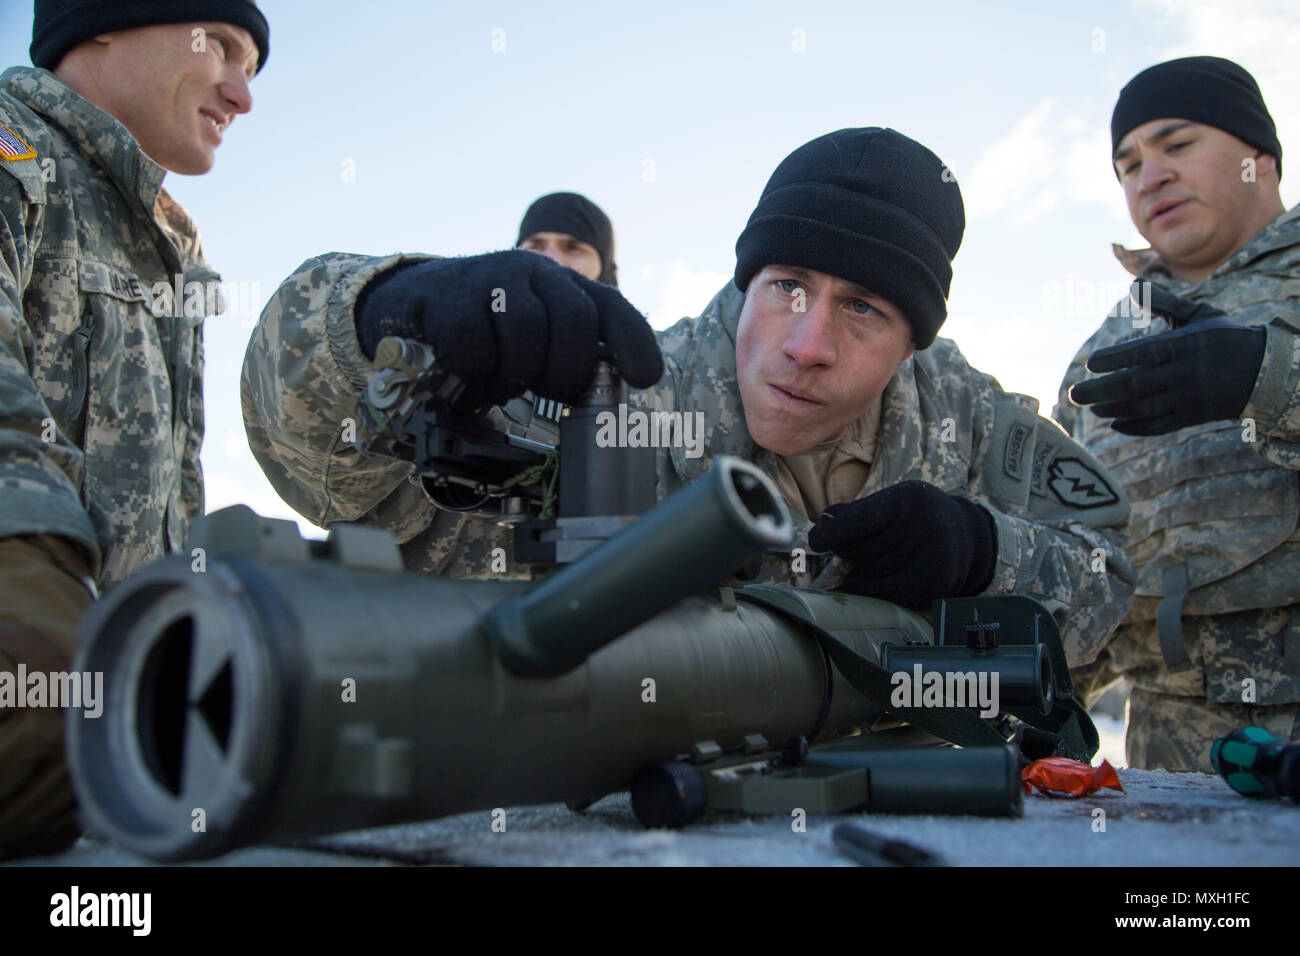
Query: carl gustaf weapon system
{"points": [[282, 688]]}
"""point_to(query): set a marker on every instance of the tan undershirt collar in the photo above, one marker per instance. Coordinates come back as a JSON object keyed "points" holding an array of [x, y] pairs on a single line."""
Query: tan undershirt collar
{"points": [[832, 472]]}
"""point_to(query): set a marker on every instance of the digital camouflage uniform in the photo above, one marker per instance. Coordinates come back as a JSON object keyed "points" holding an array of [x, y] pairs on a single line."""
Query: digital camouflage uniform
{"points": [[941, 421], [1217, 503], [101, 402]]}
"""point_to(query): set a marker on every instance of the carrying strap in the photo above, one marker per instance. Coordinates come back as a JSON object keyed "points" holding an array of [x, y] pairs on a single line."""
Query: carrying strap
{"points": [[1169, 619], [1066, 730], [959, 725]]}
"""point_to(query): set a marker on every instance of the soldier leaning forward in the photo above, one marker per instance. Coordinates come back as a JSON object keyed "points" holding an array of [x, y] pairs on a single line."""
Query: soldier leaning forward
{"points": [[100, 390], [819, 363]]}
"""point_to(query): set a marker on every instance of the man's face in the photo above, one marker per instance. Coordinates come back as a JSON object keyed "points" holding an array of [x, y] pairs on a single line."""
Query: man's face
{"points": [[1183, 182], [567, 250], [813, 353], [177, 87]]}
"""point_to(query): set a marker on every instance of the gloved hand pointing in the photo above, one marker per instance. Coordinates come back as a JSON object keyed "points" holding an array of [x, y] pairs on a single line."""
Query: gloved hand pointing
{"points": [[1202, 371]]}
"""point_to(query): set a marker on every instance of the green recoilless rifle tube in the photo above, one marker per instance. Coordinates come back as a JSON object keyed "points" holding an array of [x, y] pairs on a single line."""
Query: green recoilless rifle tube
{"points": [[257, 691], [698, 538]]}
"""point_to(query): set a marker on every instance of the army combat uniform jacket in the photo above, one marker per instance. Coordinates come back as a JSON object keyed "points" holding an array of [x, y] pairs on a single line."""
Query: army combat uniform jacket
{"points": [[1215, 506], [941, 421], [101, 414], [89, 238]]}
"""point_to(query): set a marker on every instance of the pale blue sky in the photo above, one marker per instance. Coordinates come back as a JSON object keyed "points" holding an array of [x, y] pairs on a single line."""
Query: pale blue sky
{"points": [[450, 141]]}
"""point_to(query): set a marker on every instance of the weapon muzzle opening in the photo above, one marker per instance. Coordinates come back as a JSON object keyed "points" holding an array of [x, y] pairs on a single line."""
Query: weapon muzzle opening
{"points": [[161, 705], [187, 732], [692, 541], [756, 501]]}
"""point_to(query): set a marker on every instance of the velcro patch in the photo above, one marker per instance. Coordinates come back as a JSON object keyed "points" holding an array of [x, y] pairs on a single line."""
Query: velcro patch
{"points": [[12, 146], [1015, 449]]}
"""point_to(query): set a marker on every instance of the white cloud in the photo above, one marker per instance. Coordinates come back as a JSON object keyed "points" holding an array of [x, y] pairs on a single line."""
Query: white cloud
{"points": [[1012, 168], [1261, 35], [683, 291], [1265, 32], [1055, 156], [1089, 176], [1051, 158]]}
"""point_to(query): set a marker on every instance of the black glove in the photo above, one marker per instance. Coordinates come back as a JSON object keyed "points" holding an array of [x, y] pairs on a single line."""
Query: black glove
{"points": [[911, 544], [1202, 371], [542, 335]]}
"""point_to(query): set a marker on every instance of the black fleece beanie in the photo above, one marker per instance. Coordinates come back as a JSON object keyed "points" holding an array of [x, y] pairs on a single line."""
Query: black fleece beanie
{"points": [[61, 25], [1204, 89], [867, 205], [576, 216]]}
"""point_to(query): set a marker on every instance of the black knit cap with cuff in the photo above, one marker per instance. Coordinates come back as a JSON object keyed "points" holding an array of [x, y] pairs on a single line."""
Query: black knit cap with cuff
{"points": [[574, 215], [1204, 89], [869, 206], [61, 25]]}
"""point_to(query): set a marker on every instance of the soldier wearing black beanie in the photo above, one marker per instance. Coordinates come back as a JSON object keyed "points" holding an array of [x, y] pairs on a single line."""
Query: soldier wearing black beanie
{"points": [[1205, 89], [925, 479], [574, 215], [1173, 407], [116, 100], [61, 25], [868, 205]]}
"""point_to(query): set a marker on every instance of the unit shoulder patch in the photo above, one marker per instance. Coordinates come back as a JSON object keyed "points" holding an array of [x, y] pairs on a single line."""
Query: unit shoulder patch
{"points": [[1079, 485]]}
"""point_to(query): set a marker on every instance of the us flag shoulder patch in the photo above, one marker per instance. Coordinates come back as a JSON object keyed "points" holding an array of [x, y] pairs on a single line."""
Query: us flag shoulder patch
{"points": [[12, 147]]}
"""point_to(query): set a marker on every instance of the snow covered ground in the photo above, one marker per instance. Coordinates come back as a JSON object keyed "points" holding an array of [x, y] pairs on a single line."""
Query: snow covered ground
{"points": [[1162, 819]]}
